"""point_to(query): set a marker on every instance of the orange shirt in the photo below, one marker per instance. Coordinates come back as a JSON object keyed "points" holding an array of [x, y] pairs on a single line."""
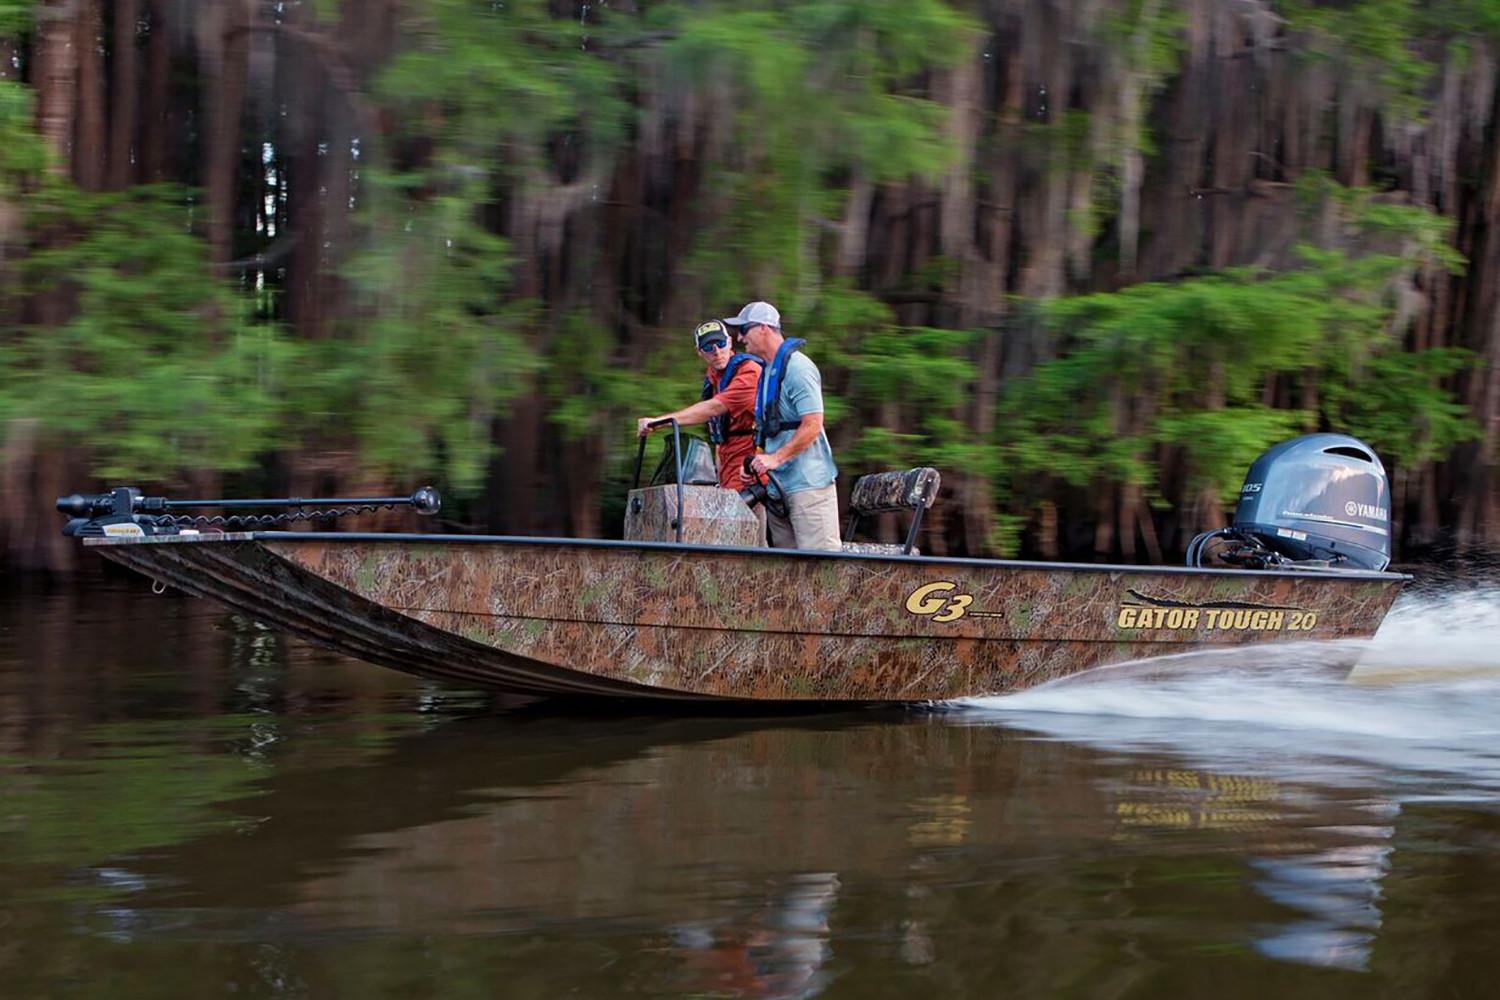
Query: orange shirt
{"points": [[739, 397]]}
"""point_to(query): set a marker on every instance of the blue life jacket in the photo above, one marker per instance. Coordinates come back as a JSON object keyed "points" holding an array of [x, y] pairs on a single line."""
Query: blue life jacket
{"points": [[768, 422], [718, 427]]}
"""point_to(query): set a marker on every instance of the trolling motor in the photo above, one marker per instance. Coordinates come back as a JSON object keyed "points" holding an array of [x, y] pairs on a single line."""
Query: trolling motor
{"points": [[1317, 502], [124, 512]]}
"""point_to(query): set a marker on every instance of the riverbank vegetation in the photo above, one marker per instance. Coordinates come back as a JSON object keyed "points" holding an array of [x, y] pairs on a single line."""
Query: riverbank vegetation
{"points": [[1087, 258]]}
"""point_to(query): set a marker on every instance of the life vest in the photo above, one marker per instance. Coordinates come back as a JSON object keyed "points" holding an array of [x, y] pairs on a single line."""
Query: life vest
{"points": [[718, 427], [768, 422]]}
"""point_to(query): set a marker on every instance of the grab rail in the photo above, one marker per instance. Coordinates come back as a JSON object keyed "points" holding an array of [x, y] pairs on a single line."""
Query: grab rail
{"points": [[640, 454]]}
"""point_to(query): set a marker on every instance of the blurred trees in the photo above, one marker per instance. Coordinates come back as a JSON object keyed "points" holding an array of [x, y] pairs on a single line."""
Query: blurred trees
{"points": [[1088, 258]]}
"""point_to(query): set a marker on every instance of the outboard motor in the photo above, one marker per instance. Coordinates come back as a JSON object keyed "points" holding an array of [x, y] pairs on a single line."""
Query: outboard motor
{"points": [[1321, 501]]}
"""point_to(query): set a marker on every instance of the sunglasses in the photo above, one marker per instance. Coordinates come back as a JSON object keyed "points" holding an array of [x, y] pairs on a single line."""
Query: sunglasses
{"points": [[713, 344]]}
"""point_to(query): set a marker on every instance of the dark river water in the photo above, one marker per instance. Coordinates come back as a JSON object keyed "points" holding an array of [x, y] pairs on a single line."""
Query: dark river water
{"points": [[193, 806]]}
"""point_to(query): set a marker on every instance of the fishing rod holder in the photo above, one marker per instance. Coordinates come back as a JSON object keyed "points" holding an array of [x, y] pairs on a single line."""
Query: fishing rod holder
{"points": [[124, 511]]}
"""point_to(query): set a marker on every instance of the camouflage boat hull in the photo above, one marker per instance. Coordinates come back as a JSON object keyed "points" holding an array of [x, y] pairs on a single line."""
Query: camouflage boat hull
{"points": [[560, 617]]}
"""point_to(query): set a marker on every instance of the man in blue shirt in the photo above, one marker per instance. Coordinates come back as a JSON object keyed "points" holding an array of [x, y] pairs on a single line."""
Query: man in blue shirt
{"points": [[789, 432]]}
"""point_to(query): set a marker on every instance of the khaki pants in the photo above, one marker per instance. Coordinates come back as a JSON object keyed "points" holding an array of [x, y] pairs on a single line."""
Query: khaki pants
{"points": [[814, 521]]}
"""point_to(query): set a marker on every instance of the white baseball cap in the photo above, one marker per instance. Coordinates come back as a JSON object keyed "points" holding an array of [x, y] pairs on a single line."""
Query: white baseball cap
{"points": [[757, 312]]}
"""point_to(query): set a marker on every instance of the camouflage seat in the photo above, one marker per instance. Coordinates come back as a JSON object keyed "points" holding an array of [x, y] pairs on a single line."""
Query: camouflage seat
{"points": [[888, 493]]}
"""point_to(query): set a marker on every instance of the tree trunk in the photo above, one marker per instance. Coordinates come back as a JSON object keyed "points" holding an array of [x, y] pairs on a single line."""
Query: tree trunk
{"points": [[57, 79], [855, 231], [991, 280], [91, 143], [1482, 393], [1132, 163], [961, 90], [126, 97], [305, 202], [155, 125], [225, 64]]}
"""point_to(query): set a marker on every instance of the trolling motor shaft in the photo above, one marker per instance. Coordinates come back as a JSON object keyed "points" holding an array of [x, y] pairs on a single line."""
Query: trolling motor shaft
{"points": [[124, 511]]}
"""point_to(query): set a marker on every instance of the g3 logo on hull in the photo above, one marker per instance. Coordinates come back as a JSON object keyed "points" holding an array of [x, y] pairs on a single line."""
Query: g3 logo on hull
{"points": [[939, 602]]}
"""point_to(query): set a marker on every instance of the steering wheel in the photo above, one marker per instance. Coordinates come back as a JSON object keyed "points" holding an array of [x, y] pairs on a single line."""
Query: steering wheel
{"points": [[765, 489]]}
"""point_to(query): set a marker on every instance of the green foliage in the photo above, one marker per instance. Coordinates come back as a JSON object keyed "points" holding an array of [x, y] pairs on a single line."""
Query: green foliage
{"points": [[1462, 19], [15, 17], [1401, 407], [22, 152], [1392, 43], [922, 374], [481, 75], [577, 375], [1061, 145], [587, 388], [1056, 426], [1142, 357], [1411, 232], [845, 65], [1151, 33], [435, 352], [116, 333], [495, 114], [847, 68], [1185, 365], [156, 363], [916, 377], [1221, 444], [438, 337], [1004, 539], [1373, 39]]}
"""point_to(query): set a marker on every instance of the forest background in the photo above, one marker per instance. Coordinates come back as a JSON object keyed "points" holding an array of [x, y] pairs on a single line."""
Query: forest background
{"points": [[1088, 257]]}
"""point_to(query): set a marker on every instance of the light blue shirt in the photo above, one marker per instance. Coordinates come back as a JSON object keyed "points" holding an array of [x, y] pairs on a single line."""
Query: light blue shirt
{"points": [[801, 394]]}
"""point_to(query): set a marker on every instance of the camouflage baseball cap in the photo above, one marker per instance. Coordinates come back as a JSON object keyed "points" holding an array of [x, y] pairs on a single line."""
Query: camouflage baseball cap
{"points": [[707, 331]]}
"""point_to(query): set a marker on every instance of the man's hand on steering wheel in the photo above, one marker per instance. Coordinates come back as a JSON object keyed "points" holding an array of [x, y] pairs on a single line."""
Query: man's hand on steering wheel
{"points": [[766, 463], [764, 487]]}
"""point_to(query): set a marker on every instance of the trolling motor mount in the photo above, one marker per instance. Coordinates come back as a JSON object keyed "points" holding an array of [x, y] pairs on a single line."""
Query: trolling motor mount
{"points": [[125, 512]]}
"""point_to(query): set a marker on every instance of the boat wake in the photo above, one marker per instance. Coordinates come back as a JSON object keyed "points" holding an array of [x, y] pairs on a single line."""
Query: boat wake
{"points": [[1319, 769], [1424, 700]]}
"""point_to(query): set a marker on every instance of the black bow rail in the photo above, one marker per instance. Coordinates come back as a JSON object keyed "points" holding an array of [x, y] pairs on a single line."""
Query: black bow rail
{"points": [[93, 513], [677, 457]]}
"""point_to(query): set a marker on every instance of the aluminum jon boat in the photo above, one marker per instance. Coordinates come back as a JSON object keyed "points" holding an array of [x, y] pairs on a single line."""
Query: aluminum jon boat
{"points": [[707, 619]]}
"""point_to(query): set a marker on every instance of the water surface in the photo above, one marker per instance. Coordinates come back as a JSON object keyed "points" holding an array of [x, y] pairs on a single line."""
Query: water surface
{"points": [[192, 805]]}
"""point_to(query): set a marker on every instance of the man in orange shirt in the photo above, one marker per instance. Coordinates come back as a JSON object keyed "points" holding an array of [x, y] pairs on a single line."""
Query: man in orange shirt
{"points": [[727, 405]]}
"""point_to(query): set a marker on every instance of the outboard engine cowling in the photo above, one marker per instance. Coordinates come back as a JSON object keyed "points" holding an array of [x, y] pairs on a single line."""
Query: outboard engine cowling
{"points": [[1317, 501]]}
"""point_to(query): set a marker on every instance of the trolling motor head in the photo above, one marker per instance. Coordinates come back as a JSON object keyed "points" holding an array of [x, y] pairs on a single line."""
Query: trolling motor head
{"points": [[86, 505], [1321, 501], [124, 512], [121, 512]]}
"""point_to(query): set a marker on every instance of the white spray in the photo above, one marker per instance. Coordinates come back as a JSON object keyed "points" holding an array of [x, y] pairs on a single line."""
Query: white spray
{"points": [[1425, 698]]}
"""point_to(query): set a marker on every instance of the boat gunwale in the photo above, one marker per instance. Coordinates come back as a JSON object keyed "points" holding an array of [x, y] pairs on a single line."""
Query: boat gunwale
{"points": [[686, 547]]}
